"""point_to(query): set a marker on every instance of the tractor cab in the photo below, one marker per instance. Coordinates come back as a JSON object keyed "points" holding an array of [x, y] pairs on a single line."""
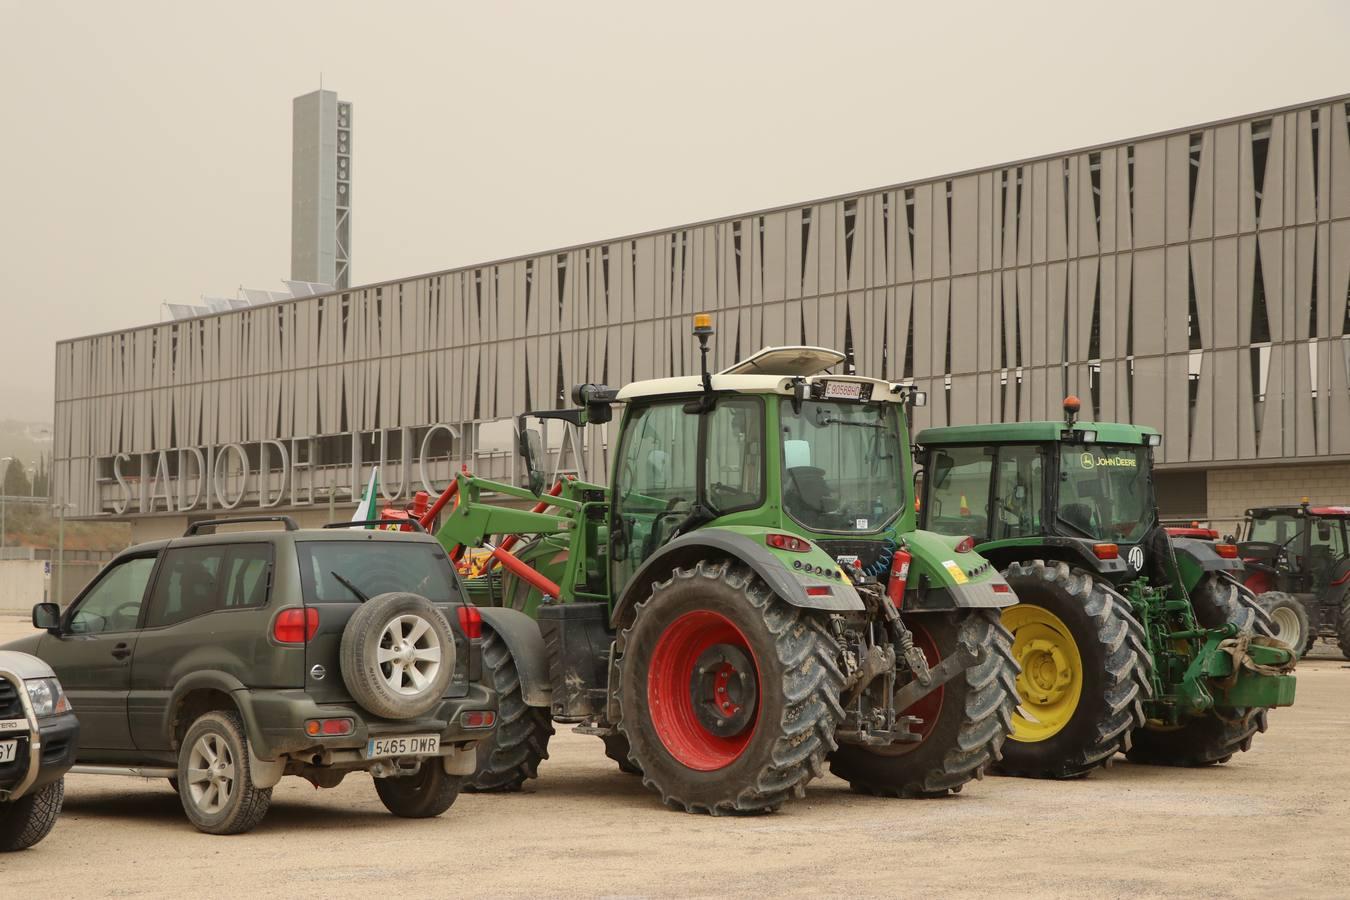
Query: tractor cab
{"points": [[1297, 559], [1302, 548], [1083, 487]]}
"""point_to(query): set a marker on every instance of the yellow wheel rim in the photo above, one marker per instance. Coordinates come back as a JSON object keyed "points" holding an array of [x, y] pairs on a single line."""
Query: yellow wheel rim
{"points": [[1051, 682]]}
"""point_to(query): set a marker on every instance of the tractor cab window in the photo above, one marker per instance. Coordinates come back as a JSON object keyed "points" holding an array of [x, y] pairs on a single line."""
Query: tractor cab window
{"points": [[842, 465], [1018, 486], [734, 460], [1104, 491], [1281, 528], [1326, 547], [656, 481], [958, 502]]}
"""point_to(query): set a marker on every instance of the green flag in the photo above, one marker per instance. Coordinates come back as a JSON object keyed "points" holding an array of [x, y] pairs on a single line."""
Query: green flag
{"points": [[366, 508]]}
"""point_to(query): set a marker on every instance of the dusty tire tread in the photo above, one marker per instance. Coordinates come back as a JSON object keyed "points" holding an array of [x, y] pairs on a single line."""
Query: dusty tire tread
{"points": [[811, 692], [520, 741], [1127, 674], [31, 818]]}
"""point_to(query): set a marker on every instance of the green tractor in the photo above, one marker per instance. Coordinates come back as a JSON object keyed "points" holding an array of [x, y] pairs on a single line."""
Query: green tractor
{"points": [[747, 602], [1128, 639]]}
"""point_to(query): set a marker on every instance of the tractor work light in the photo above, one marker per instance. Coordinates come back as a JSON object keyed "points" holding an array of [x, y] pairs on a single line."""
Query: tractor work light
{"points": [[918, 398], [1153, 440], [1088, 436]]}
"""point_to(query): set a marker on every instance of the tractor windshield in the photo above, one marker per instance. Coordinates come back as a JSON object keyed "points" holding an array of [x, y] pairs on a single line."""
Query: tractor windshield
{"points": [[843, 469], [1104, 491]]}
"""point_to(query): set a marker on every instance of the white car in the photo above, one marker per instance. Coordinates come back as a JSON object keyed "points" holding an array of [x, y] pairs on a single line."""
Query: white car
{"points": [[38, 737]]}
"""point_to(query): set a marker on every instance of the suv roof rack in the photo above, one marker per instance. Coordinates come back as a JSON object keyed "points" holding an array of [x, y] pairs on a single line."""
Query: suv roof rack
{"points": [[416, 525], [196, 527]]}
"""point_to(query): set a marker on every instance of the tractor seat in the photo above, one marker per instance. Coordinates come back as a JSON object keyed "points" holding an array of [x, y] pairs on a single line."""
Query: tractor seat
{"points": [[1079, 515]]}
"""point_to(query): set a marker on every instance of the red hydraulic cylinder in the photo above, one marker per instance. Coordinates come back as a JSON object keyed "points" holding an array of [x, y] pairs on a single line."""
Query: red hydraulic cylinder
{"points": [[526, 573]]}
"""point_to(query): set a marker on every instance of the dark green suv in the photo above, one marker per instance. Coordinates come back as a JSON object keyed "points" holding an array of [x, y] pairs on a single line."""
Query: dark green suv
{"points": [[225, 660]]}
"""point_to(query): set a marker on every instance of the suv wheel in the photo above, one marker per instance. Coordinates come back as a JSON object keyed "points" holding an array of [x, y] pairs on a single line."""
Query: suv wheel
{"points": [[397, 655], [424, 795], [29, 819], [215, 784]]}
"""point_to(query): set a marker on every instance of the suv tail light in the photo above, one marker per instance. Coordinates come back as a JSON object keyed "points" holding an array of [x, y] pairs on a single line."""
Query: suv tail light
{"points": [[295, 625], [471, 622], [478, 718]]}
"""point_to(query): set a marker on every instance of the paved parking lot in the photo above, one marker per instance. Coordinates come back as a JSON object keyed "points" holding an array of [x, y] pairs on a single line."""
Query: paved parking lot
{"points": [[1274, 822]]}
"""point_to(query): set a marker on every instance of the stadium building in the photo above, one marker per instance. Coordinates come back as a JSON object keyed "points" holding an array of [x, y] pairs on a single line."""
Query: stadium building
{"points": [[1195, 280]]}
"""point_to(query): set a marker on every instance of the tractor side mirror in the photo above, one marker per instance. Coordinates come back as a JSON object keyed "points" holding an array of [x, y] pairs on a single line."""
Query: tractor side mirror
{"points": [[531, 447], [1324, 532]]}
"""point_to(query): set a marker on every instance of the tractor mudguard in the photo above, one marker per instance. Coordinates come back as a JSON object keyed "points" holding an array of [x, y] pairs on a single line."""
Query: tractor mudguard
{"points": [[943, 579], [521, 635], [1195, 557], [1077, 552], [787, 583]]}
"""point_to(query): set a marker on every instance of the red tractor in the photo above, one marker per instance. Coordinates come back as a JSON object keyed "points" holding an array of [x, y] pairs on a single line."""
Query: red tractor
{"points": [[1298, 563]]}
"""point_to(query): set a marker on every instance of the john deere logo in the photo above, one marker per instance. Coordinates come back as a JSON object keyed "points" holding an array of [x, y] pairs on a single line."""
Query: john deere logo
{"points": [[1089, 461], [1136, 558]]}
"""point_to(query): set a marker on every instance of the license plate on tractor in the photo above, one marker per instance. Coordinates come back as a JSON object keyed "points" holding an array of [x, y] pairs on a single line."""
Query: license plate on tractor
{"points": [[8, 750], [404, 745]]}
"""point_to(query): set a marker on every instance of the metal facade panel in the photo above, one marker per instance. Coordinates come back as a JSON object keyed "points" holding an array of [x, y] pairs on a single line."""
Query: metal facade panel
{"points": [[1013, 285]]}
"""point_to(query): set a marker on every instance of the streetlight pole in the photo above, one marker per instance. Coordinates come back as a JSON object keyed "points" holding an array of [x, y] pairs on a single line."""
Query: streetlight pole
{"points": [[8, 461]]}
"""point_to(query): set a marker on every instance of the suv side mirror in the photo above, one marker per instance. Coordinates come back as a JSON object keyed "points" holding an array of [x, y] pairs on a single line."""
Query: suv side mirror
{"points": [[531, 448], [47, 616]]}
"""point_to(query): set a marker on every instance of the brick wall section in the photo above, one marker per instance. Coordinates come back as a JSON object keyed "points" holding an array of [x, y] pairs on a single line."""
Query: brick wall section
{"points": [[1233, 491]]}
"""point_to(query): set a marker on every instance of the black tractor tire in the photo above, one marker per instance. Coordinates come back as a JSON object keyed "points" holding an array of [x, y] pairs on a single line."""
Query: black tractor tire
{"points": [[375, 627], [1114, 683], [1290, 620], [794, 692], [972, 723], [424, 795], [1343, 626], [29, 819], [1209, 739], [519, 743], [244, 804], [617, 749]]}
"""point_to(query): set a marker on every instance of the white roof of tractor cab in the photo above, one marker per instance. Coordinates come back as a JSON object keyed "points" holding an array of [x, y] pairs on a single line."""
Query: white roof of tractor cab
{"points": [[769, 371]]}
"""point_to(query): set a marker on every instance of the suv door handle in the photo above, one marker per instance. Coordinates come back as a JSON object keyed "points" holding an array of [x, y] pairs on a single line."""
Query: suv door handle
{"points": [[121, 651]]}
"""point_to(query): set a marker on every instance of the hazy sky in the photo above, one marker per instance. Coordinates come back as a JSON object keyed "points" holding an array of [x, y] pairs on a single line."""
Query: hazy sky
{"points": [[146, 146]]}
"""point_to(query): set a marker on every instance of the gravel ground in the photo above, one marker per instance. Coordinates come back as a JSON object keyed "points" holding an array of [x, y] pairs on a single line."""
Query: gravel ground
{"points": [[1273, 822]]}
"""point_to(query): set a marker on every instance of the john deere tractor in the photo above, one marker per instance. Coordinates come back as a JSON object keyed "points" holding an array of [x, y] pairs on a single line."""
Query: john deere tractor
{"points": [[748, 601], [1129, 640]]}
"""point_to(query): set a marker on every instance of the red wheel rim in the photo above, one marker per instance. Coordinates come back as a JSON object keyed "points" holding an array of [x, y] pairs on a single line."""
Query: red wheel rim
{"points": [[678, 714], [927, 708]]}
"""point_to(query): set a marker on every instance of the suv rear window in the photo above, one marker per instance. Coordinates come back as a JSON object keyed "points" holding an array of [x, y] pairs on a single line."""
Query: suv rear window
{"points": [[375, 567]]}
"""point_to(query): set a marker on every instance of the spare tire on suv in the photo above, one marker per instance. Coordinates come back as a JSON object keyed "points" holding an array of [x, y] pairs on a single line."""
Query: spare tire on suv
{"points": [[397, 655]]}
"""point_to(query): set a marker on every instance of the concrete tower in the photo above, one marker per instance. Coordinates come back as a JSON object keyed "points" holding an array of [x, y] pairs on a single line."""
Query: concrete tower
{"points": [[321, 189]]}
